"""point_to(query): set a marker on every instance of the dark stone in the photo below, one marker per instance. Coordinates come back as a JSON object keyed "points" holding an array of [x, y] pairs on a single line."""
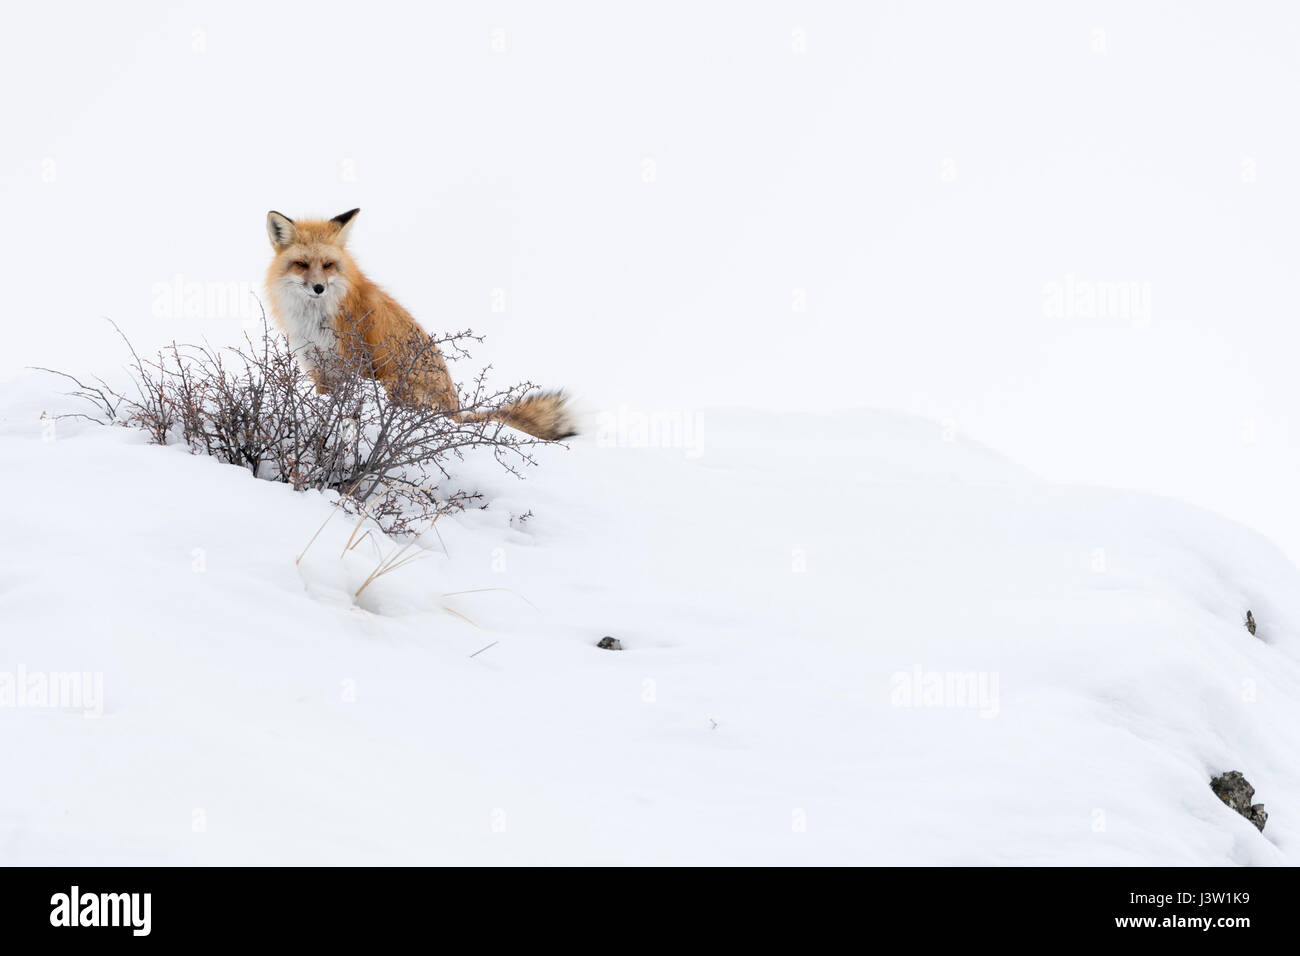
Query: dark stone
{"points": [[1250, 623], [609, 644], [1235, 790]]}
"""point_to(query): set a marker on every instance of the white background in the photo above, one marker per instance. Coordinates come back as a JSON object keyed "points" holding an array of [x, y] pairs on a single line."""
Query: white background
{"points": [[794, 146]]}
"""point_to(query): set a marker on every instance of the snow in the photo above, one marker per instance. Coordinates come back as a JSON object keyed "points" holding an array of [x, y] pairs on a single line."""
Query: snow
{"points": [[781, 585]]}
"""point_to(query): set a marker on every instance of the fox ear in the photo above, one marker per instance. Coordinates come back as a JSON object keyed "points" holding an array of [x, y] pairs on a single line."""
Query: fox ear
{"points": [[281, 229], [344, 221]]}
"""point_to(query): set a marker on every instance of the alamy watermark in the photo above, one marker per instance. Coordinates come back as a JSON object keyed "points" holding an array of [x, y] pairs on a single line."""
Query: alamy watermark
{"points": [[183, 298], [1075, 298], [53, 690], [627, 427], [973, 690], [76, 908]]}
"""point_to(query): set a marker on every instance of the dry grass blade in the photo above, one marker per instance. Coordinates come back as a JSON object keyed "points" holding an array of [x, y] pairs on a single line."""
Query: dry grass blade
{"points": [[359, 540], [355, 528], [507, 590], [461, 616], [433, 526], [298, 560], [389, 565]]}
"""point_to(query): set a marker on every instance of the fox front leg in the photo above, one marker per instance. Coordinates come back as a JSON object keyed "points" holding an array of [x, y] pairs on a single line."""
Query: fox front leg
{"points": [[318, 379]]}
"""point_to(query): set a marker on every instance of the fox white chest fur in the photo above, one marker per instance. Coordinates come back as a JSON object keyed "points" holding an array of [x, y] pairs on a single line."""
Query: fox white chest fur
{"points": [[308, 321]]}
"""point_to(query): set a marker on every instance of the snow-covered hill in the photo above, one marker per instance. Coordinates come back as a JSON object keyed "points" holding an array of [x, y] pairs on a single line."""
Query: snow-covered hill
{"points": [[804, 603]]}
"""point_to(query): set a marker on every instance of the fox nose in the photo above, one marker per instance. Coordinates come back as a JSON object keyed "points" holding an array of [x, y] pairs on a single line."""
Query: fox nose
{"points": [[318, 288]]}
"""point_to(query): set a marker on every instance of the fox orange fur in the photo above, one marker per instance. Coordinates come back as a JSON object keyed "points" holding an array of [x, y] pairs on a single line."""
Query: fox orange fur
{"points": [[320, 299]]}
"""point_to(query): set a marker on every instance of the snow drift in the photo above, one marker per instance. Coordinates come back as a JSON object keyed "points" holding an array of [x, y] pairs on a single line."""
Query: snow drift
{"points": [[852, 638]]}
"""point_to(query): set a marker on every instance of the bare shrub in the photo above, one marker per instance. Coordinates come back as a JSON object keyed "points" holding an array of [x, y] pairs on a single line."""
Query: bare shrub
{"points": [[383, 446]]}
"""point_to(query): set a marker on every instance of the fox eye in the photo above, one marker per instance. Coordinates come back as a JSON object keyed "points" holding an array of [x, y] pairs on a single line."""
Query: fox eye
{"points": [[329, 265], [300, 264]]}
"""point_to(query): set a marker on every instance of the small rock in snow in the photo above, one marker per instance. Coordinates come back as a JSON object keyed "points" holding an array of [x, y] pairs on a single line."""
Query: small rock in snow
{"points": [[610, 644], [1234, 790]]}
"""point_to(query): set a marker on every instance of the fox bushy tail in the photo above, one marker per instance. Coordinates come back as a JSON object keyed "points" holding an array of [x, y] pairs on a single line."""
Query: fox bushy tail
{"points": [[546, 416]]}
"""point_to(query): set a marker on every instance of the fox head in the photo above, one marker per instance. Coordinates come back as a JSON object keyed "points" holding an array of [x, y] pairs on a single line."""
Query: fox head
{"points": [[310, 258]]}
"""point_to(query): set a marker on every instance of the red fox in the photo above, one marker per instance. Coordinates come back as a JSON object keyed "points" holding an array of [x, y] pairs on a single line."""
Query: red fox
{"points": [[321, 300]]}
